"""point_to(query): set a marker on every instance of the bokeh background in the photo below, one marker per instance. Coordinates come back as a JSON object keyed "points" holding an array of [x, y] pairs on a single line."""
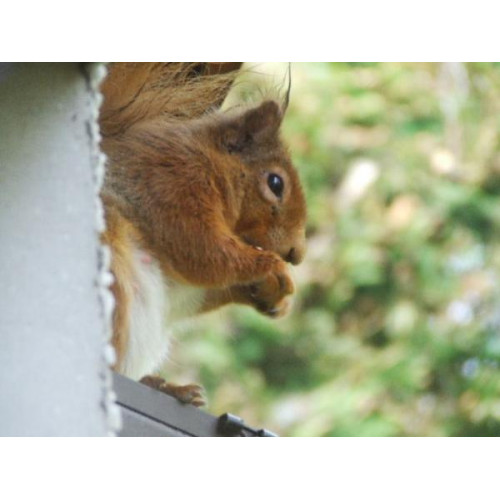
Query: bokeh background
{"points": [[395, 329]]}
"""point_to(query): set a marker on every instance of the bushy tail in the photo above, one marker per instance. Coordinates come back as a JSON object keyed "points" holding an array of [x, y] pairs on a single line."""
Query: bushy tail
{"points": [[138, 91]]}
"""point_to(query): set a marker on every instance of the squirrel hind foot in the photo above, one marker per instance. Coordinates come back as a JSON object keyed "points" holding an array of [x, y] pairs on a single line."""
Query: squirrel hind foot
{"points": [[192, 394]]}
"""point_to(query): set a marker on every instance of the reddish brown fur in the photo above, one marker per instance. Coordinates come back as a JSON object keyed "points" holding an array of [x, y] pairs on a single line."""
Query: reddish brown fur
{"points": [[118, 234], [191, 187], [140, 91]]}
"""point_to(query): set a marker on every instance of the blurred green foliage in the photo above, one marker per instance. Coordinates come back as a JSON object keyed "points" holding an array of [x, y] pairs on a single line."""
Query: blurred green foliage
{"points": [[395, 329]]}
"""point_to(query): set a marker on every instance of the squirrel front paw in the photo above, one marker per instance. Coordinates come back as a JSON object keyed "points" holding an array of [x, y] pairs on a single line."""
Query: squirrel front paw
{"points": [[270, 296]]}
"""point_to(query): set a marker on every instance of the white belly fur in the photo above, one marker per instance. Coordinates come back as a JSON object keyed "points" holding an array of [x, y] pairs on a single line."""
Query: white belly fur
{"points": [[158, 307]]}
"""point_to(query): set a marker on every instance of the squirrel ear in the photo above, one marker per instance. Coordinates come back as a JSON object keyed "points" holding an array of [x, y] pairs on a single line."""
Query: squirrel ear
{"points": [[256, 125]]}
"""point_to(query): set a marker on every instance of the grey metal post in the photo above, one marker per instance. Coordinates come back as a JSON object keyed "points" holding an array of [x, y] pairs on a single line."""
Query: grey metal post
{"points": [[54, 303]]}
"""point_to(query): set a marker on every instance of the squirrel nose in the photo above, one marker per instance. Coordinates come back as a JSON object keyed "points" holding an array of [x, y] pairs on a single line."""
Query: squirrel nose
{"points": [[295, 255]]}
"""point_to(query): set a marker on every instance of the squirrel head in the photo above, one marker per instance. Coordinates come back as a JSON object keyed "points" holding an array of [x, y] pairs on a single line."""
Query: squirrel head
{"points": [[241, 152], [271, 209]]}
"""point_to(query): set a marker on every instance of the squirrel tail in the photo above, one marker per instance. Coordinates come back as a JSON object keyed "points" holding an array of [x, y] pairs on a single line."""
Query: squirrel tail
{"points": [[139, 91]]}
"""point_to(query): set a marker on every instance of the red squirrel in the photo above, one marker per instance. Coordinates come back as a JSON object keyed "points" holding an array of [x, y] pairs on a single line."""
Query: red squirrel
{"points": [[203, 207]]}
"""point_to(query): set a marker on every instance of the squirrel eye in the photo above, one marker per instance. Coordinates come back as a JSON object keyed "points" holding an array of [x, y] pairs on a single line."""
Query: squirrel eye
{"points": [[276, 184]]}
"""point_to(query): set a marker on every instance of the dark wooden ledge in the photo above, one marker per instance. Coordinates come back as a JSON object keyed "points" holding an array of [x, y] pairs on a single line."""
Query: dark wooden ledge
{"points": [[147, 412]]}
